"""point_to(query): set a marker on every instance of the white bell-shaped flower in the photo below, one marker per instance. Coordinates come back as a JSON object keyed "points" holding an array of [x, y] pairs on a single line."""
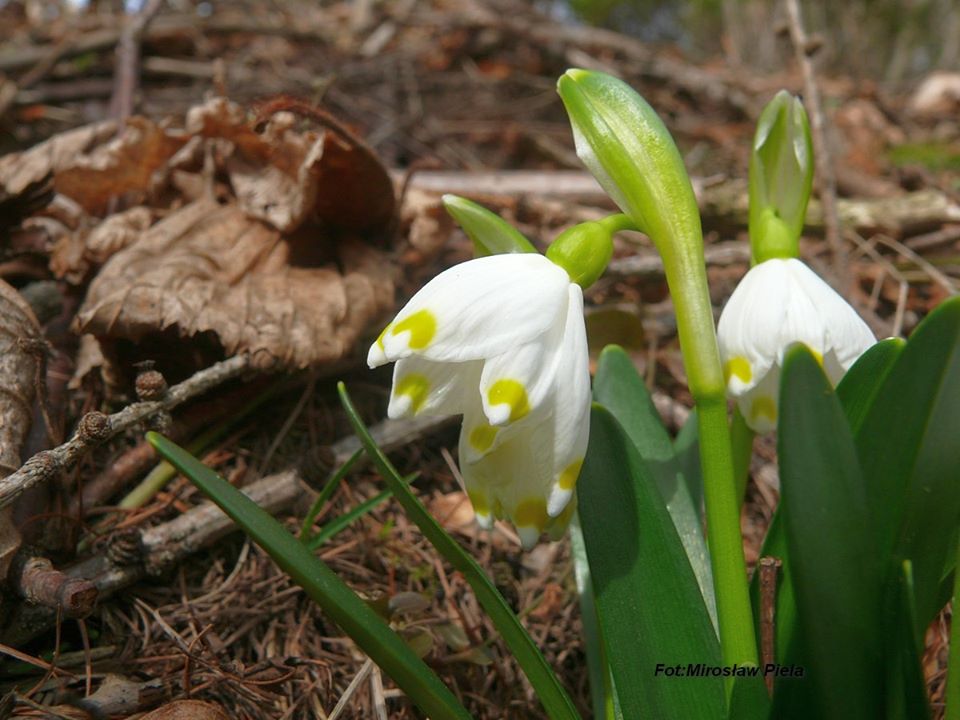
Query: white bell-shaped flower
{"points": [[780, 302], [500, 339]]}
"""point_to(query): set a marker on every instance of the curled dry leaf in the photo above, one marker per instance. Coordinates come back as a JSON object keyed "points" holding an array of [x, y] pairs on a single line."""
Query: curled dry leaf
{"points": [[18, 171], [18, 373], [211, 267], [253, 236]]}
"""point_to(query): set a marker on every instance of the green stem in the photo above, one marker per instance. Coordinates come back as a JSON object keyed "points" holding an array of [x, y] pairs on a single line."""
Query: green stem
{"points": [[741, 437], [953, 661], [617, 222], [723, 533]]}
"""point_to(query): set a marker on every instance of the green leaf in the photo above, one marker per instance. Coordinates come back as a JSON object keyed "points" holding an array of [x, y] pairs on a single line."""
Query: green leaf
{"points": [[490, 233], [861, 384], [620, 389], [906, 687], [835, 572], [686, 449], [602, 692], [749, 699], [324, 587], [555, 699], [651, 610], [910, 456]]}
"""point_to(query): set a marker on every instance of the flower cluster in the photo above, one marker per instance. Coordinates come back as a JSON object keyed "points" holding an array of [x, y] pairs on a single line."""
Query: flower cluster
{"points": [[501, 340]]}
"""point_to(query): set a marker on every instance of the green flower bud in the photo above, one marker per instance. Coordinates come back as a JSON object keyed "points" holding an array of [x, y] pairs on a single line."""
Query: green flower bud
{"points": [[490, 233], [584, 250], [625, 145], [623, 142], [781, 177]]}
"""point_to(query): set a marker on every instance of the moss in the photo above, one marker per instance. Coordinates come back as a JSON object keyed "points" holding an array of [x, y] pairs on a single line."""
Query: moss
{"points": [[933, 156]]}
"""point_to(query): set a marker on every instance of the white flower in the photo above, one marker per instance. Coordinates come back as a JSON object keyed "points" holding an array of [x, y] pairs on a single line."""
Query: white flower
{"points": [[500, 339], [780, 302]]}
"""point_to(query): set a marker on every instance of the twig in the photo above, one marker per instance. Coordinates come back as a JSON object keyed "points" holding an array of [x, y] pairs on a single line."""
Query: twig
{"points": [[127, 74], [96, 428], [158, 548], [351, 689], [769, 566], [827, 179]]}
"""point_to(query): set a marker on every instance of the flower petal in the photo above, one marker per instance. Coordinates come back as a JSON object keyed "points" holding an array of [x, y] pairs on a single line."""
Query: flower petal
{"points": [[848, 336], [423, 387], [759, 405], [768, 310], [516, 383], [476, 310], [572, 415], [528, 471]]}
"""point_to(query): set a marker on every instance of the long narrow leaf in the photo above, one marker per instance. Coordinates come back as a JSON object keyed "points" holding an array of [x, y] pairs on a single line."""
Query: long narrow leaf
{"points": [[324, 587], [620, 389], [910, 456], [836, 573], [555, 700], [651, 610]]}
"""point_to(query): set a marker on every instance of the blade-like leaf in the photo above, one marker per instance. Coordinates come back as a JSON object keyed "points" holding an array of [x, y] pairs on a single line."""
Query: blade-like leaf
{"points": [[906, 687], [620, 389], [749, 699], [490, 233], [651, 610], [602, 692], [686, 448], [835, 571], [324, 587], [910, 456], [860, 386], [555, 700]]}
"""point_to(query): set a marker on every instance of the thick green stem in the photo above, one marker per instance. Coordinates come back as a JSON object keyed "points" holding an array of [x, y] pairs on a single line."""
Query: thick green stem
{"points": [[953, 662], [741, 438], [737, 638]]}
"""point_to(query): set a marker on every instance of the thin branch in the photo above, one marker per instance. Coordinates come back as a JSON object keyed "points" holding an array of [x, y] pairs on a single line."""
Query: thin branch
{"points": [[826, 177], [96, 428], [126, 76]]}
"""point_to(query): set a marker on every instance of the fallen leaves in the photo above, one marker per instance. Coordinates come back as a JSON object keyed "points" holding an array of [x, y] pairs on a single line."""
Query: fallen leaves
{"points": [[262, 235]]}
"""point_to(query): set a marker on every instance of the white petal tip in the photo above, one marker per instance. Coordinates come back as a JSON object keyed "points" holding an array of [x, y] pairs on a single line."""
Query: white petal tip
{"points": [[498, 414], [484, 520], [376, 356], [400, 406], [559, 498], [529, 535]]}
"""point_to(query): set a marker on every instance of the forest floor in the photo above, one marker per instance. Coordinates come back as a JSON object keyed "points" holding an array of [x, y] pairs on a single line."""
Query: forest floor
{"points": [[166, 203]]}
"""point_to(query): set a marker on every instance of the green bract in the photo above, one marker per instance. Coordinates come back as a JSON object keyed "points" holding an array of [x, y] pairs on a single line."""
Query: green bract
{"points": [[781, 176], [584, 250], [490, 233]]}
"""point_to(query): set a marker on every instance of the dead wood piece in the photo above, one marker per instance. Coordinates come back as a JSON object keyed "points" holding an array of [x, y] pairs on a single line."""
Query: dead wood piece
{"points": [[163, 545], [38, 582], [721, 203], [726, 253], [20, 348], [95, 430]]}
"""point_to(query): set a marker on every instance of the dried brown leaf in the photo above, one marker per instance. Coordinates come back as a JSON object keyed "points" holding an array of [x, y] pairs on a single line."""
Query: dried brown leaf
{"points": [[130, 165], [19, 335], [282, 175], [20, 170], [187, 710], [210, 267]]}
